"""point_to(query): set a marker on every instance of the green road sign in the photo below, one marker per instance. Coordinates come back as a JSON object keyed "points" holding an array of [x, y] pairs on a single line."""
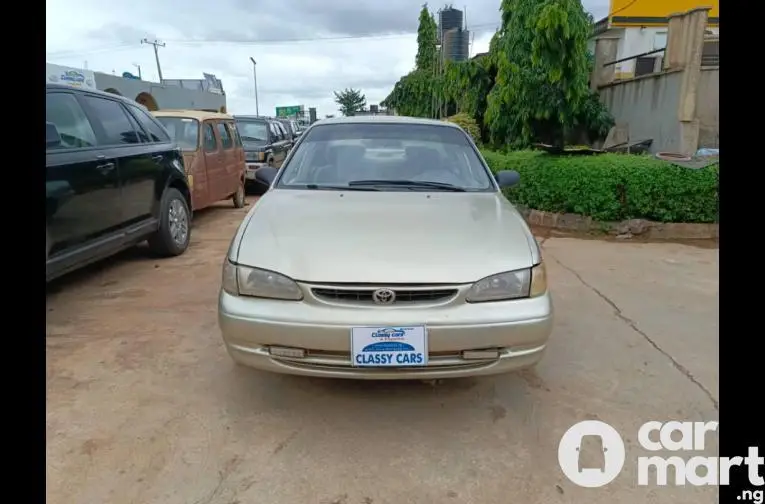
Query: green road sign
{"points": [[290, 111]]}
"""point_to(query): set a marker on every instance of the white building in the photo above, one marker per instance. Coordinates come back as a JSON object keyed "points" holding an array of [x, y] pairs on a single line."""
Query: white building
{"points": [[639, 40]]}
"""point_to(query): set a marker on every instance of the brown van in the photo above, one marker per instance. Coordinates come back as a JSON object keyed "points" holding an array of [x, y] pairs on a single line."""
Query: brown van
{"points": [[212, 153]]}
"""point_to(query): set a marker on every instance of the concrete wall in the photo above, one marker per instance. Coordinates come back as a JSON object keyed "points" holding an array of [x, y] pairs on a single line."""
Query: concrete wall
{"points": [[708, 107], [165, 97], [647, 107], [676, 106]]}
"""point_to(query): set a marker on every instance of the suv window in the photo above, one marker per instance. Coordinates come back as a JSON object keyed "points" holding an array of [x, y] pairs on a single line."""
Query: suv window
{"points": [[234, 134], [63, 110], [152, 127], [211, 145], [114, 121], [225, 137], [142, 136]]}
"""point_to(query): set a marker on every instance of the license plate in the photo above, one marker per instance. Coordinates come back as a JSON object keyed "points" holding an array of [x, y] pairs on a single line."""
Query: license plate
{"points": [[389, 346]]}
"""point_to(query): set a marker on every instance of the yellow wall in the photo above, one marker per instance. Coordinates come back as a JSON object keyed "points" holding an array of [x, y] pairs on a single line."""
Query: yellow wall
{"points": [[655, 12]]}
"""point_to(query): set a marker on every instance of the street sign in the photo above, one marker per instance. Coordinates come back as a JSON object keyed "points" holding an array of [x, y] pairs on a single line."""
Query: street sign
{"points": [[291, 111]]}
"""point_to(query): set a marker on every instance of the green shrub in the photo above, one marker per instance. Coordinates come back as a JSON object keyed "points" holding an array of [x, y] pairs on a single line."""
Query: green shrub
{"points": [[610, 187], [467, 123]]}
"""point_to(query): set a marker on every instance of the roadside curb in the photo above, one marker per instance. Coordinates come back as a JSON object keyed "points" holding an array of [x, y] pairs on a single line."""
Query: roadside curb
{"points": [[625, 229]]}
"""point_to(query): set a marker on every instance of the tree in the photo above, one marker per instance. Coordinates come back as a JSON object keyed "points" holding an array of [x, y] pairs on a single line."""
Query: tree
{"points": [[427, 40], [542, 71], [350, 101]]}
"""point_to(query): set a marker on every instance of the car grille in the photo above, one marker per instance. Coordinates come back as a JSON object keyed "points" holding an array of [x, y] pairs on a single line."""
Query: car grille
{"points": [[404, 294]]}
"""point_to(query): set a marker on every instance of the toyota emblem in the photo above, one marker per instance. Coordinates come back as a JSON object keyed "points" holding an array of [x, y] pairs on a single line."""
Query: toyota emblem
{"points": [[384, 296]]}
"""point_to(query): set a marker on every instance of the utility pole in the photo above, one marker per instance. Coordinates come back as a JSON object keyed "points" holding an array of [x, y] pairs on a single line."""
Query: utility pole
{"points": [[157, 44], [139, 70], [255, 82]]}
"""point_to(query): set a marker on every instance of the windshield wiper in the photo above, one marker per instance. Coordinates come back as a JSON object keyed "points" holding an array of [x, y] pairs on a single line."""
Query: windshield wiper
{"points": [[252, 139], [424, 184], [339, 188]]}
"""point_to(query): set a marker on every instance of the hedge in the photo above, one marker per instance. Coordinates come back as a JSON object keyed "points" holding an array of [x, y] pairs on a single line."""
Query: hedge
{"points": [[610, 187]]}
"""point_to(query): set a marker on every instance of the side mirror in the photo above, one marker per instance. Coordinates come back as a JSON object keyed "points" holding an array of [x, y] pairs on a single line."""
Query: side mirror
{"points": [[266, 175], [507, 178], [52, 136]]}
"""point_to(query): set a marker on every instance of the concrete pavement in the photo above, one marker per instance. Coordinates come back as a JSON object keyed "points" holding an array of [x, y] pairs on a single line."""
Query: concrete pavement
{"points": [[145, 406]]}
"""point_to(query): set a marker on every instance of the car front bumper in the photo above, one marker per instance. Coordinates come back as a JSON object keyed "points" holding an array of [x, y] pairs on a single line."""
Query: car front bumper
{"points": [[252, 167], [518, 330]]}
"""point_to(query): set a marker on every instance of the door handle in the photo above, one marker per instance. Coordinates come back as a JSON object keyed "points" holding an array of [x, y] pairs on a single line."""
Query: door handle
{"points": [[157, 157], [105, 168]]}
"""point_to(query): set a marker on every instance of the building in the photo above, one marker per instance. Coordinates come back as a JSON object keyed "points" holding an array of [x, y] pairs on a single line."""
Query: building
{"points": [[452, 35], [641, 31], [203, 94]]}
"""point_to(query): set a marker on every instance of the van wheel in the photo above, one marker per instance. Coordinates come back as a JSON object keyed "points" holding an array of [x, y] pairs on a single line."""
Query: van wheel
{"points": [[174, 233], [238, 197]]}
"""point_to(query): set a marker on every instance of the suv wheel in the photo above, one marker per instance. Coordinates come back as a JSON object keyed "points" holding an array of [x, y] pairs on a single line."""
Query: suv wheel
{"points": [[238, 197], [172, 237]]}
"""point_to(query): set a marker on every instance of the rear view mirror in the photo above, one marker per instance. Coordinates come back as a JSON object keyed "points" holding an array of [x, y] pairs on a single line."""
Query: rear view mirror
{"points": [[266, 175], [52, 137], [507, 178]]}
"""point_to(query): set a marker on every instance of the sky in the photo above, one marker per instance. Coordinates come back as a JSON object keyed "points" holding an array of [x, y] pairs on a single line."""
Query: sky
{"points": [[304, 49]]}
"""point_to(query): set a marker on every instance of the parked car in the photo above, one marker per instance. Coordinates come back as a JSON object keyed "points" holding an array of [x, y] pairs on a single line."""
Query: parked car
{"points": [[212, 152], [113, 178], [264, 145], [291, 127], [389, 266]]}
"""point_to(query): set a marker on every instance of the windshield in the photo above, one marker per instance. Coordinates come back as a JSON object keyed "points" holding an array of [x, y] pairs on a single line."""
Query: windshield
{"points": [[252, 131], [183, 130], [392, 156]]}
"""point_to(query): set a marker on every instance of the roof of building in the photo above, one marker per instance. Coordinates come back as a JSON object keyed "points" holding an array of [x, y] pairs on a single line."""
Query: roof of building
{"points": [[199, 115]]}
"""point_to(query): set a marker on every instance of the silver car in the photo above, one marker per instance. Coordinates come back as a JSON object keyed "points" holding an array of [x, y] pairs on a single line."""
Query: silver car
{"points": [[384, 249]]}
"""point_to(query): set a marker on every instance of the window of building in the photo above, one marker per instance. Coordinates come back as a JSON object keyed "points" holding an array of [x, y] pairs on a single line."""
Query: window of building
{"points": [[644, 65]]}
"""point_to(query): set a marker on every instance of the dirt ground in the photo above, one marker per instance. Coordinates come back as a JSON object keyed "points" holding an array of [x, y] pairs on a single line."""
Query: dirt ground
{"points": [[144, 405]]}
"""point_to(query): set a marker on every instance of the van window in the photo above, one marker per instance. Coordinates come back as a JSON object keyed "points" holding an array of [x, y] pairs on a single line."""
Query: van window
{"points": [[234, 134], [114, 121], [225, 137], [211, 145], [63, 110], [183, 130]]}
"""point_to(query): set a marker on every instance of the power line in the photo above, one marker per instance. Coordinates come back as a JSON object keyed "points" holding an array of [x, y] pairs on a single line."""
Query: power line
{"points": [[250, 42]]}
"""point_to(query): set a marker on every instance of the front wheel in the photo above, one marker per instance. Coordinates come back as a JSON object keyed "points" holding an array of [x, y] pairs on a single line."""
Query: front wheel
{"points": [[174, 233], [238, 197]]}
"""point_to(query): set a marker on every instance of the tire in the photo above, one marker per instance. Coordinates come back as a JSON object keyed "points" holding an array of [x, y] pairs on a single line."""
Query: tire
{"points": [[174, 233], [238, 197]]}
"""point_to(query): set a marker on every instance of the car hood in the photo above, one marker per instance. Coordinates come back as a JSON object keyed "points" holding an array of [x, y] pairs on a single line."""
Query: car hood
{"points": [[384, 237]]}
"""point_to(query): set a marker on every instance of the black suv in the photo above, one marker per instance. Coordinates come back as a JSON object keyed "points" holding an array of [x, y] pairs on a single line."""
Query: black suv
{"points": [[113, 178], [265, 143]]}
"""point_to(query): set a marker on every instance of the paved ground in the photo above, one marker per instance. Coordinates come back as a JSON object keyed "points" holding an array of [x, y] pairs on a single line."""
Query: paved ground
{"points": [[144, 405]]}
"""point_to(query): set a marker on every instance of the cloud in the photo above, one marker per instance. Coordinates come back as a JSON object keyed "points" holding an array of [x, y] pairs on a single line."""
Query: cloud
{"points": [[305, 49]]}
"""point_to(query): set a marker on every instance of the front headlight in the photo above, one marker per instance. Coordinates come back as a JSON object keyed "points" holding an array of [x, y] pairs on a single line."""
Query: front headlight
{"points": [[243, 281], [510, 285]]}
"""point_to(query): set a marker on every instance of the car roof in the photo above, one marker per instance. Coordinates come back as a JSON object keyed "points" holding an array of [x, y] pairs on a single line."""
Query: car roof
{"points": [[199, 115], [253, 117], [385, 119], [95, 92]]}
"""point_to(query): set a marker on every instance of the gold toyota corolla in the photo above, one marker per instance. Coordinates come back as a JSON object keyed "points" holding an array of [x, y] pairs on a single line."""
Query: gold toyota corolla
{"points": [[384, 249]]}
